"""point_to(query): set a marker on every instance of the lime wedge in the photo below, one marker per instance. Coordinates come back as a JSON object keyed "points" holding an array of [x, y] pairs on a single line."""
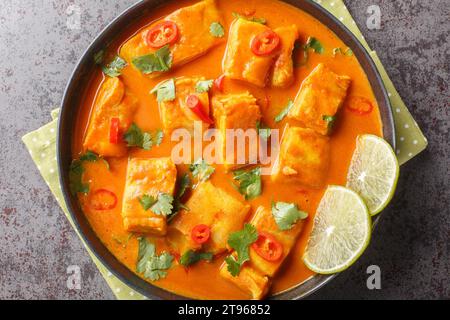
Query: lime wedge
{"points": [[373, 172], [341, 231]]}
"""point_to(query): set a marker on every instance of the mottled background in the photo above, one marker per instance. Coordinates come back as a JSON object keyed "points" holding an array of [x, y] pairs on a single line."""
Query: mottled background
{"points": [[38, 53]]}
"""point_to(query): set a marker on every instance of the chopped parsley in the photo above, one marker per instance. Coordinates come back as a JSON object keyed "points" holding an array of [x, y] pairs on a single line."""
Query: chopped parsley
{"points": [[201, 170], [191, 257], [249, 182], [252, 19], [263, 131], [216, 30], [204, 86], [114, 68], [93, 157], [160, 60], [151, 265], [287, 214], [161, 205], [240, 241], [285, 111], [135, 137], [165, 91]]}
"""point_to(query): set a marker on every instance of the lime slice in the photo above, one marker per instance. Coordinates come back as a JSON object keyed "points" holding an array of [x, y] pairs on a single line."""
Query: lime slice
{"points": [[373, 172], [341, 231]]}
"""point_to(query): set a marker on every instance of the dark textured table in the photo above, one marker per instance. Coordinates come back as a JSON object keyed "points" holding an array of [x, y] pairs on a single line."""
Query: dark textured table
{"points": [[40, 42]]}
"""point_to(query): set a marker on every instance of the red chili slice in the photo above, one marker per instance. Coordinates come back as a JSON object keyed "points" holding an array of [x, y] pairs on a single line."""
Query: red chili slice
{"points": [[194, 103], [265, 43], [219, 83], [114, 130], [102, 200], [200, 233], [359, 105], [268, 247], [163, 33]]}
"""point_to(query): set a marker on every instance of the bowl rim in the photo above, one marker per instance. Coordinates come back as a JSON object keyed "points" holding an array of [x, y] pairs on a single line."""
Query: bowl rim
{"points": [[93, 243]]}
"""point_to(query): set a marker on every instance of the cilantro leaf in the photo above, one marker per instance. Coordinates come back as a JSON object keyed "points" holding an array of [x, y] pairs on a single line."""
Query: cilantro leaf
{"points": [[147, 201], [204, 86], [285, 111], [135, 137], [240, 242], [165, 91], [314, 44], [160, 60], [263, 131], [99, 56], [216, 30], [76, 184], [348, 52], [90, 156], [161, 205], [201, 170], [287, 214], [252, 19], [249, 182], [164, 205], [114, 68], [331, 121], [191, 257], [183, 184], [76, 178], [233, 267], [153, 267]]}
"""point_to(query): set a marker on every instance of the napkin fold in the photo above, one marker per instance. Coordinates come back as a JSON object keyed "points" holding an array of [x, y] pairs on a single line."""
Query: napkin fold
{"points": [[42, 144]]}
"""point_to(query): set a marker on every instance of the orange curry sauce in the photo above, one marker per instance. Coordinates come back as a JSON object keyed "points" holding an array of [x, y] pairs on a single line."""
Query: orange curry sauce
{"points": [[202, 280]]}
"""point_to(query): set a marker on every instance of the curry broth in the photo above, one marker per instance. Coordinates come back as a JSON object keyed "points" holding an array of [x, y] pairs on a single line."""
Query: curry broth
{"points": [[202, 280]]}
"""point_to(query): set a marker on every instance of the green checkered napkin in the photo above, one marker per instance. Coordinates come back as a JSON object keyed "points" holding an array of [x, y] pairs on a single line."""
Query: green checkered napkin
{"points": [[42, 142]]}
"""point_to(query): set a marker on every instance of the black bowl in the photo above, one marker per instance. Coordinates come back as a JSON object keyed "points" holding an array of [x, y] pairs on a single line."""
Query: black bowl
{"points": [[70, 107]]}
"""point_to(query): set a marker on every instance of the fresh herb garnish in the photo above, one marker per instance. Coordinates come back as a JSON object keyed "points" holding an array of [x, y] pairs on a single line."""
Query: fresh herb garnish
{"points": [[348, 52], [331, 121], [201, 170], [204, 86], [311, 43], [147, 201], [98, 57], [252, 19], [160, 60], [263, 131], [314, 44], [135, 137], [183, 184], [151, 265], [76, 178], [161, 205], [216, 30], [191, 257], [114, 68], [284, 112], [249, 182], [287, 214], [93, 157], [165, 91], [76, 184], [240, 241]]}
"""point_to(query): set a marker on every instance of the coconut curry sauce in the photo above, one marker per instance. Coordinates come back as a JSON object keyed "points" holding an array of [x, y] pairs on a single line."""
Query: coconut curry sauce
{"points": [[127, 184]]}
